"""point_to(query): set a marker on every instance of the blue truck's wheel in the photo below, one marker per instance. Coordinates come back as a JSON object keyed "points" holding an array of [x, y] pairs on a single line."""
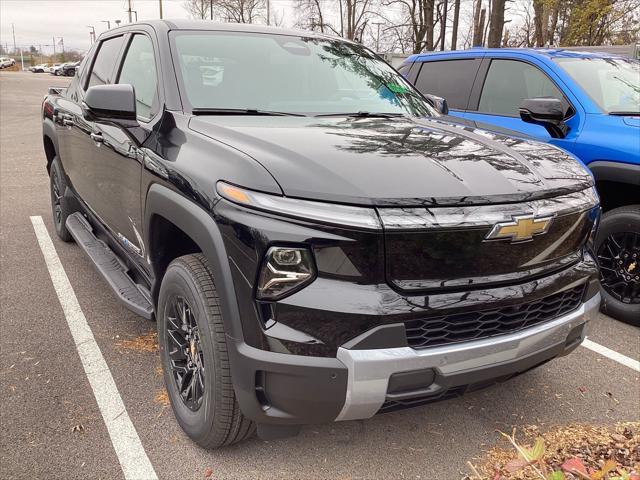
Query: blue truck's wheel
{"points": [[618, 250]]}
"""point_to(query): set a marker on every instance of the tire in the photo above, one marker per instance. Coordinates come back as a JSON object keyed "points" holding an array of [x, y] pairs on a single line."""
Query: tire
{"points": [[619, 235], [59, 205], [217, 420]]}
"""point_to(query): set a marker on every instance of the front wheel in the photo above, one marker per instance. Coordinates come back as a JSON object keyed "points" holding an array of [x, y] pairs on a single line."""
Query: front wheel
{"points": [[618, 250], [194, 357]]}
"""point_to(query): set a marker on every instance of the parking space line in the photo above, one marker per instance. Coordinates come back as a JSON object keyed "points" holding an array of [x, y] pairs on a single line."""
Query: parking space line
{"points": [[613, 355], [133, 459]]}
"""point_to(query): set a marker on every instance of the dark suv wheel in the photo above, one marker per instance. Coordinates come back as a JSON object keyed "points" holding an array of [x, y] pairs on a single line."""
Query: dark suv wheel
{"points": [[618, 250], [59, 206], [193, 352]]}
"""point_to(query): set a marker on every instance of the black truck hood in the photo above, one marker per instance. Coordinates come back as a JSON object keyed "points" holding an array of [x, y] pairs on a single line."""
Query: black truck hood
{"points": [[397, 161]]}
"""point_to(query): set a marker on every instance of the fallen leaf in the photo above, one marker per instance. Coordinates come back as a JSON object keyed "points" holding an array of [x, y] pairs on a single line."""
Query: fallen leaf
{"points": [[208, 473], [575, 465]]}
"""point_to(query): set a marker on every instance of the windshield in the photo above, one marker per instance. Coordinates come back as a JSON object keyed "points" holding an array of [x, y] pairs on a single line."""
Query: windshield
{"points": [[232, 70], [613, 83]]}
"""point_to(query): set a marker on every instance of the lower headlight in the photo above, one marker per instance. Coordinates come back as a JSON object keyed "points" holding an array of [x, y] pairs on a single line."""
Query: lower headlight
{"points": [[285, 270]]}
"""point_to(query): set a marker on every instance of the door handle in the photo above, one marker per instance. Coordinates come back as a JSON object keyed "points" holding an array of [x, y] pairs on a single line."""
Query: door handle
{"points": [[97, 137], [67, 121]]}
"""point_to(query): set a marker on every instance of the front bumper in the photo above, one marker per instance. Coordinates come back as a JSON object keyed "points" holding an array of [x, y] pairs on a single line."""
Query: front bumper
{"points": [[283, 389], [452, 366]]}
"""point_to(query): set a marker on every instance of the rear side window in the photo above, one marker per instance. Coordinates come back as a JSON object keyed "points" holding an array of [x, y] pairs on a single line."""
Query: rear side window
{"points": [[105, 61], [509, 82], [139, 70], [449, 79]]}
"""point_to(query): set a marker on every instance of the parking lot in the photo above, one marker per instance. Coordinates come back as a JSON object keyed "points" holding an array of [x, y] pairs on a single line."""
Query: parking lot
{"points": [[52, 427]]}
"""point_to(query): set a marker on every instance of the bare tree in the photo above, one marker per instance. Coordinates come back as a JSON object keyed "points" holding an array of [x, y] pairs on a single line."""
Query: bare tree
{"points": [[479, 17], [456, 21], [311, 15], [198, 9], [419, 18], [496, 23]]}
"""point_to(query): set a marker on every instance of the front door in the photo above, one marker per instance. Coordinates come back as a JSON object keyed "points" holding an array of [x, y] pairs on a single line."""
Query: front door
{"points": [[507, 83], [118, 155]]}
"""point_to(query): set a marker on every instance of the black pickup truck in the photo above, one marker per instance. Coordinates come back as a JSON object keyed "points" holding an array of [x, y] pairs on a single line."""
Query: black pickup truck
{"points": [[314, 240]]}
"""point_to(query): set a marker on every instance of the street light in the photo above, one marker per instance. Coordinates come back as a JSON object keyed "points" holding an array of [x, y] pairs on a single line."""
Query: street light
{"points": [[118, 22], [107, 22], [92, 33]]}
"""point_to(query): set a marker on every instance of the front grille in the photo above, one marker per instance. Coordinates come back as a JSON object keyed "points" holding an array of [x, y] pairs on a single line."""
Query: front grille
{"points": [[460, 327]]}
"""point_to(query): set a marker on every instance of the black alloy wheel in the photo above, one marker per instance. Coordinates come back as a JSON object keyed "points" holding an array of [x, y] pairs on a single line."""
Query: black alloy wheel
{"points": [[617, 247], [619, 258], [59, 206], [194, 355], [185, 352]]}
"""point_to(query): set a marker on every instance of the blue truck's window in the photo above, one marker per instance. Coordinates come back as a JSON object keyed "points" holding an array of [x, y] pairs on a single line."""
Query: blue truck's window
{"points": [[449, 79], [139, 70], [105, 61], [509, 82]]}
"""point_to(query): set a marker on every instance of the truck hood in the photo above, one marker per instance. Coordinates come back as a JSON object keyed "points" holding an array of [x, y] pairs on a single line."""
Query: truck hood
{"points": [[397, 161]]}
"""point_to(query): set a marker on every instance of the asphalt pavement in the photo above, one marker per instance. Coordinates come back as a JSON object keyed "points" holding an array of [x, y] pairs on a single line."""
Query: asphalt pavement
{"points": [[51, 426]]}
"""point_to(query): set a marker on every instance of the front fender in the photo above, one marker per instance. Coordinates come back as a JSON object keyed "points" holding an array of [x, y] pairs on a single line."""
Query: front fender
{"points": [[198, 224]]}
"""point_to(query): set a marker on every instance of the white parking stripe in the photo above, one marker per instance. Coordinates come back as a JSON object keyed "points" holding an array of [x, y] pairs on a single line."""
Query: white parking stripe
{"points": [[133, 459], [615, 356]]}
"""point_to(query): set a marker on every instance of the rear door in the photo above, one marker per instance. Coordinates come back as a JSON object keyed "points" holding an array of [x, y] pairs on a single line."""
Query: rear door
{"points": [[451, 79], [502, 87]]}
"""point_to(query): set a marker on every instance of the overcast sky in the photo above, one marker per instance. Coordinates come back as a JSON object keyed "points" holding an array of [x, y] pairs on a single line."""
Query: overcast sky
{"points": [[37, 21]]}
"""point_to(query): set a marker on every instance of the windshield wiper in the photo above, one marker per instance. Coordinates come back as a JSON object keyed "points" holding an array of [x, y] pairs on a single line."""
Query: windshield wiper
{"points": [[625, 114], [243, 111], [362, 115]]}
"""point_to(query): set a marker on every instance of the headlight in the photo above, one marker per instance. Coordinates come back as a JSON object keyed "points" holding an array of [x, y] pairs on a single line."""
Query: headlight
{"points": [[285, 270], [331, 213]]}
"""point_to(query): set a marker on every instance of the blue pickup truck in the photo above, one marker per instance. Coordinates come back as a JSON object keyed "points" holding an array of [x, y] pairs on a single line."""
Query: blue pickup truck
{"points": [[586, 103]]}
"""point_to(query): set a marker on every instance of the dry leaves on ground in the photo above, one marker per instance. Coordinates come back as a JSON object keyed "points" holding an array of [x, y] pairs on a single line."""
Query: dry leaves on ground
{"points": [[144, 343], [574, 448]]}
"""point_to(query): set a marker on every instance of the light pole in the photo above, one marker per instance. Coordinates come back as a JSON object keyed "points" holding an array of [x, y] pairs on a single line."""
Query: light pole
{"points": [[377, 24], [118, 22], [107, 22], [92, 33]]}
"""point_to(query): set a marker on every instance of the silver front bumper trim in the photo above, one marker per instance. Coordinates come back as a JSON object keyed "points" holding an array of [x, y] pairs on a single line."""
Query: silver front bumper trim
{"points": [[369, 370]]}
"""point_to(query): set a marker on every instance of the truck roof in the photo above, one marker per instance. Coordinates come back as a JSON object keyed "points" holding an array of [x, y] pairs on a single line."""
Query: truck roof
{"points": [[539, 52], [186, 24]]}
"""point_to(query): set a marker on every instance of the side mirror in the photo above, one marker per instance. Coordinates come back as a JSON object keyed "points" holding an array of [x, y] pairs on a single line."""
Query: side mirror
{"points": [[547, 112], [439, 103], [111, 103]]}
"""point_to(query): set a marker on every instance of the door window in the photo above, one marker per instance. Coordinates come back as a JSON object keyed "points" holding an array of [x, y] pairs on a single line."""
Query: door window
{"points": [[509, 82], [105, 61], [139, 70], [449, 79]]}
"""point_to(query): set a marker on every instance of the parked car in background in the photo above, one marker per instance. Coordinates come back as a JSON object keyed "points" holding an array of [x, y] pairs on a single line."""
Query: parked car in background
{"points": [[56, 69], [69, 69], [587, 103], [52, 68], [6, 62], [314, 246], [41, 68]]}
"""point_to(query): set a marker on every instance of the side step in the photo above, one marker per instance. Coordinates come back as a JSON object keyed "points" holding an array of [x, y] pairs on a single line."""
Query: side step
{"points": [[108, 264]]}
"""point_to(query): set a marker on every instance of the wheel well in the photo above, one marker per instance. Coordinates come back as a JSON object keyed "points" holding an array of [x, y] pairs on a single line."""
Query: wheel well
{"points": [[617, 194], [166, 243], [49, 150]]}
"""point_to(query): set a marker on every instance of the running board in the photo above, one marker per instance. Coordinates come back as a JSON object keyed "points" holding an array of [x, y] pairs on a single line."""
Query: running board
{"points": [[110, 266]]}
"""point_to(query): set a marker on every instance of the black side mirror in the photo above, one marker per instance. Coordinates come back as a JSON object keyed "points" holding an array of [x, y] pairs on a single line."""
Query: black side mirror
{"points": [[439, 103], [547, 112], [111, 103]]}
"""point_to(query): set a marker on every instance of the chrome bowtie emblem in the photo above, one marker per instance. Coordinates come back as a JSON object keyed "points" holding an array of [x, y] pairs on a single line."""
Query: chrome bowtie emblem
{"points": [[520, 229]]}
